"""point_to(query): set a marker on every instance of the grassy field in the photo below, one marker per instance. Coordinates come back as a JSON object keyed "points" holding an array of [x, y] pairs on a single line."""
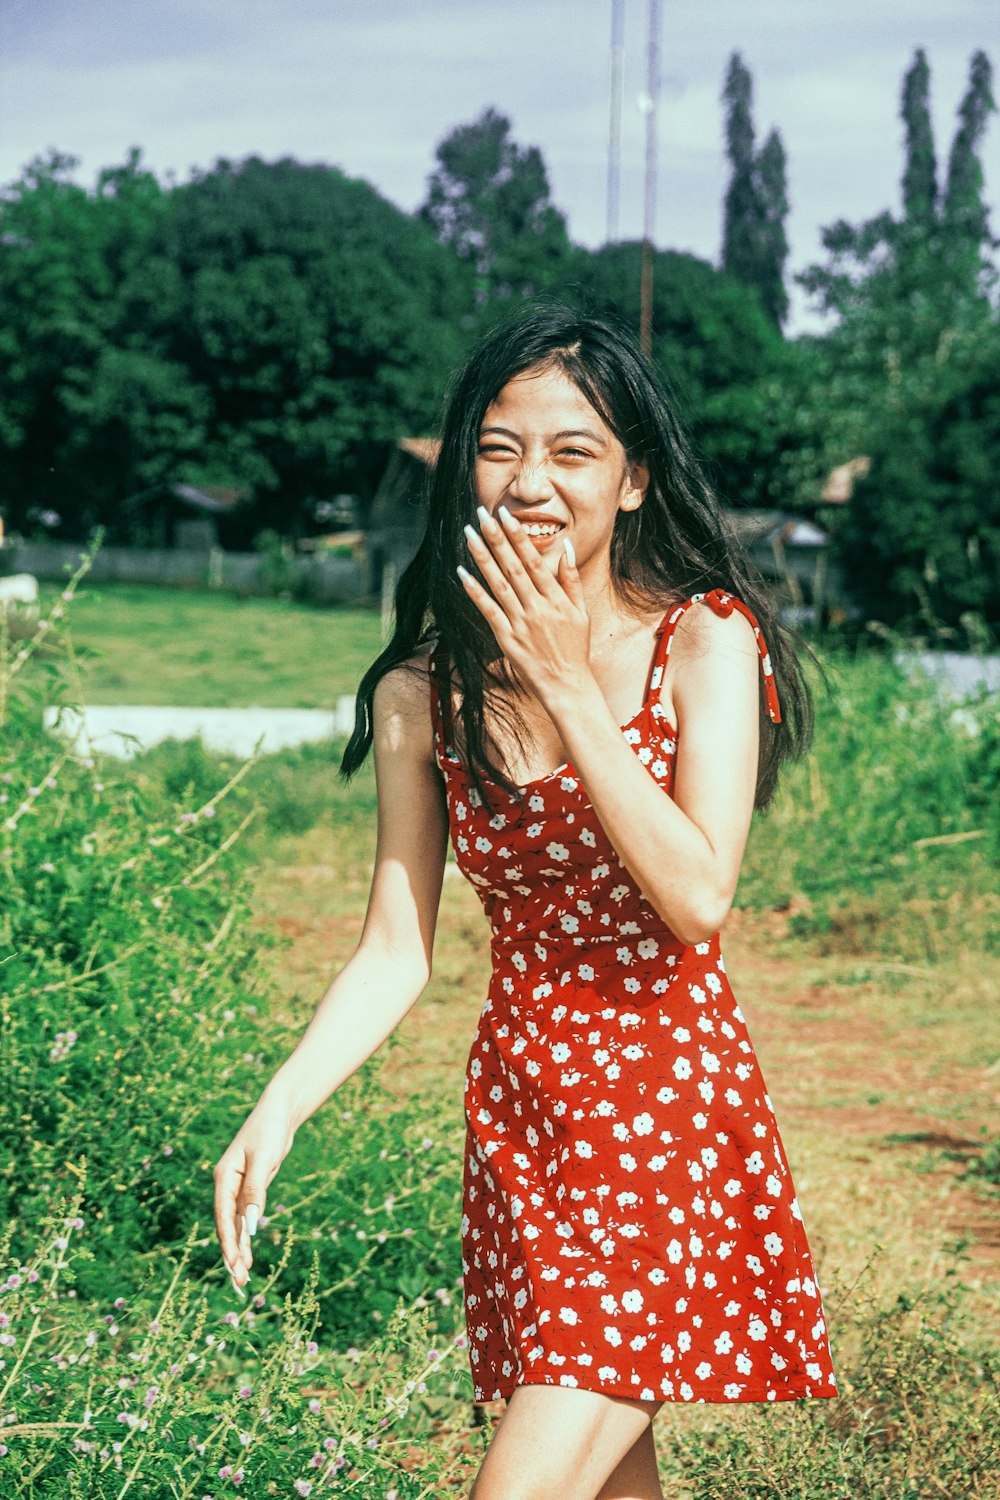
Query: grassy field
{"points": [[166, 646], [863, 952]]}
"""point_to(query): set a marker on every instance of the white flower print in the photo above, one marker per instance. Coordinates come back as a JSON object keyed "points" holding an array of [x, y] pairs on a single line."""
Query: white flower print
{"points": [[534, 829], [557, 851], [682, 1068], [588, 838], [632, 1300], [643, 1124]]}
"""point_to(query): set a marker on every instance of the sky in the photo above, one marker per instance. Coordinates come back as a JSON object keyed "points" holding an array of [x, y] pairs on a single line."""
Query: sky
{"points": [[372, 87]]}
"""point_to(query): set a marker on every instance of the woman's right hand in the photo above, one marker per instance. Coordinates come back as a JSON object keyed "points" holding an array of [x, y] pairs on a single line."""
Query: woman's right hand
{"points": [[243, 1174]]}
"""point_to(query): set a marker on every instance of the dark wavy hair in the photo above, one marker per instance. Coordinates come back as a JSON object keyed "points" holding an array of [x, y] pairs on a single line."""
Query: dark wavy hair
{"points": [[676, 543]]}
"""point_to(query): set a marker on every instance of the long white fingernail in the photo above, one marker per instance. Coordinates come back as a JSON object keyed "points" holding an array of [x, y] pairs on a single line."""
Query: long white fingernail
{"points": [[568, 549], [252, 1215]]}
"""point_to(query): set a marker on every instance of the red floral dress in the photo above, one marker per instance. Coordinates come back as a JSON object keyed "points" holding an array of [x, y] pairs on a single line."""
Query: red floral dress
{"points": [[630, 1224]]}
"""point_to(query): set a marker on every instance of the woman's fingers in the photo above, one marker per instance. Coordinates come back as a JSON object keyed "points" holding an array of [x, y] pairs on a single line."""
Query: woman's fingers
{"points": [[519, 558], [229, 1173], [486, 604], [498, 578]]}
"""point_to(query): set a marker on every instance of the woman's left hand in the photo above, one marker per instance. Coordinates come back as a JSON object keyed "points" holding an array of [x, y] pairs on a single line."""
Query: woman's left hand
{"points": [[538, 616]]}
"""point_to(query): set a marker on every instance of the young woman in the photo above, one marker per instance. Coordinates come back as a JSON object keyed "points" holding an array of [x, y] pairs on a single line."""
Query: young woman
{"points": [[583, 689]]}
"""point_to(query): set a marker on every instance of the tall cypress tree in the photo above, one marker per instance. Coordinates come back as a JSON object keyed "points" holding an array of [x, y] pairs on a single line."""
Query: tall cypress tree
{"points": [[741, 214], [773, 195], [965, 212], [754, 243], [920, 172]]}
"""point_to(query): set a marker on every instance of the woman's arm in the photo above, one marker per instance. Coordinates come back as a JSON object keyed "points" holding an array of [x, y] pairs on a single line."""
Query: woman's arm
{"points": [[392, 962], [377, 985], [684, 853]]}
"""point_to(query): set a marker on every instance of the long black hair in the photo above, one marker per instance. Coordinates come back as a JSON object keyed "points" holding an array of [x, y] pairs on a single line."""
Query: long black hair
{"points": [[676, 543]]}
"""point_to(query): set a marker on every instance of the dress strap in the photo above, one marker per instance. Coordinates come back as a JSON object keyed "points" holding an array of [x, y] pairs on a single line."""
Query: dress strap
{"points": [[440, 714], [723, 604]]}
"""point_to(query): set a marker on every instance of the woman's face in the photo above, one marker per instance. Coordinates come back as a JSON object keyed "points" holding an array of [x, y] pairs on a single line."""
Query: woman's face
{"points": [[546, 454]]}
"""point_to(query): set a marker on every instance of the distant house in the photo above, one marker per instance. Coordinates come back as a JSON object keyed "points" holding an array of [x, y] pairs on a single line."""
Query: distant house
{"points": [[792, 553], [179, 517]]}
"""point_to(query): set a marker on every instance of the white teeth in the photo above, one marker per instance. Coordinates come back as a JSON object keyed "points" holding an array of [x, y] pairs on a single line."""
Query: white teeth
{"points": [[539, 529]]}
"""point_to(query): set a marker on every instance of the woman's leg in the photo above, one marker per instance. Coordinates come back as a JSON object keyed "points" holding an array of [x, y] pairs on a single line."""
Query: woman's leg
{"points": [[636, 1477], [562, 1443]]}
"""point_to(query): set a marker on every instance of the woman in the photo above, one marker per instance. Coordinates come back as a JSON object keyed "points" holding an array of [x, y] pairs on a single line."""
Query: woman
{"points": [[581, 687]]}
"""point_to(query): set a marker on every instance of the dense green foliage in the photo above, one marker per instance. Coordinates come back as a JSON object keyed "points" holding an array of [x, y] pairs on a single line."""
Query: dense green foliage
{"points": [[275, 327], [136, 1030], [488, 200], [909, 379]]}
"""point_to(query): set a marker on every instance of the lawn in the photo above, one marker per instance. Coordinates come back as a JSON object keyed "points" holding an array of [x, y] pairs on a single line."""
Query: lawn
{"points": [[167, 646]]}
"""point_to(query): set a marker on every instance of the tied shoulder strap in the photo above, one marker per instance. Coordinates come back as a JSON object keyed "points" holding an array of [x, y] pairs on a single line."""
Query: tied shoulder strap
{"points": [[723, 604]]}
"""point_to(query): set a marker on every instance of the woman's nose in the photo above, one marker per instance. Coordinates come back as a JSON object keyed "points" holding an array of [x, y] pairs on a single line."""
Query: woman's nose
{"points": [[531, 482]]}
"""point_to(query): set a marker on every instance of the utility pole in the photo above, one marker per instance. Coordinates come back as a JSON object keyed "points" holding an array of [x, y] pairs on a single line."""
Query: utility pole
{"points": [[649, 104], [615, 128]]}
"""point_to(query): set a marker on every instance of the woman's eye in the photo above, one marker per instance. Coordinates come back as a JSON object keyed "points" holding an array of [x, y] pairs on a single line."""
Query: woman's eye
{"points": [[487, 450], [574, 453]]}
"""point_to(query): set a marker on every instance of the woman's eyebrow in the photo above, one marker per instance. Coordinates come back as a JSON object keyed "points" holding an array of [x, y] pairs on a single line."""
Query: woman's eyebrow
{"points": [[554, 437]]}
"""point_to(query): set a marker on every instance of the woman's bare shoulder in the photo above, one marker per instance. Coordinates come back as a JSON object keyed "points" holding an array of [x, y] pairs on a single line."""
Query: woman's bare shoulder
{"points": [[403, 694], [701, 631]]}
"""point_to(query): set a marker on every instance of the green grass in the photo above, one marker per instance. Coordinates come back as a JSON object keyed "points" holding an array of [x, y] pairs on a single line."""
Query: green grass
{"points": [[168, 646]]}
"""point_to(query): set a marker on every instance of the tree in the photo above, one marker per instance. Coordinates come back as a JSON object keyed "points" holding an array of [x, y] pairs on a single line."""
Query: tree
{"points": [[920, 173], [65, 256], [773, 194], [965, 213], [489, 201], [905, 377], [754, 243], [321, 320]]}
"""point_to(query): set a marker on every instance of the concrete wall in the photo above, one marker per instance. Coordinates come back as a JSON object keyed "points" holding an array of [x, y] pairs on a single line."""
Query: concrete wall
{"points": [[326, 580]]}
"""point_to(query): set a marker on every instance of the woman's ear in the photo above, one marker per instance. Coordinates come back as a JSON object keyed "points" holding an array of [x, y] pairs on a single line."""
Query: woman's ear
{"points": [[634, 489]]}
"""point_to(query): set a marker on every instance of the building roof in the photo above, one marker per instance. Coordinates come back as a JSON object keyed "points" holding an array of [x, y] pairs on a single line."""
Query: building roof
{"points": [[426, 449], [838, 487], [216, 499]]}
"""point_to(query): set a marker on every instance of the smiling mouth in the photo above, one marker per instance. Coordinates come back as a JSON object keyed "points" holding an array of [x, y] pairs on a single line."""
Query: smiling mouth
{"points": [[541, 528]]}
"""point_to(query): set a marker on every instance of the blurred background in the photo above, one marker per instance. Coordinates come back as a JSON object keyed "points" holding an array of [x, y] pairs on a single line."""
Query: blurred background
{"points": [[242, 247]]}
